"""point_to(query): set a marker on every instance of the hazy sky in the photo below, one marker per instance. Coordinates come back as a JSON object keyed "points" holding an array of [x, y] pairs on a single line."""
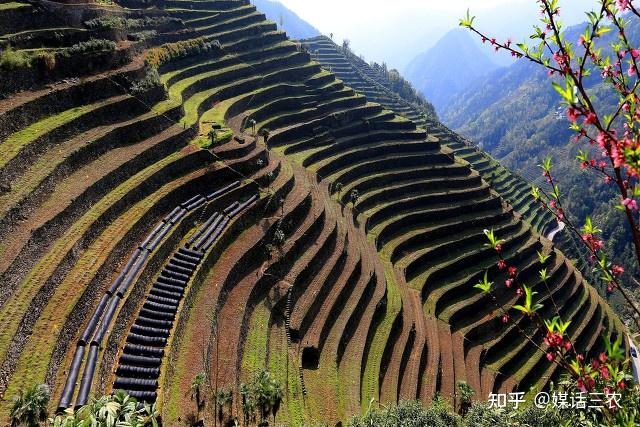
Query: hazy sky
{"points": [[397, 34]]}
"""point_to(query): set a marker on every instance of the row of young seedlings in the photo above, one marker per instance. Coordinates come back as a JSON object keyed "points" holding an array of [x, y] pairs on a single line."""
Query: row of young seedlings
{"points": [[98, 325], [139, 365]]}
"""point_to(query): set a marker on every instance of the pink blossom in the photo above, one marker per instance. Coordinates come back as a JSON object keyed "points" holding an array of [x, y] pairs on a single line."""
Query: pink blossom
{"points": [[573, 114], [635, 53], [623, 4], [551, 356], [508, 283], [630, 204], [632, 71], [505, 318], [617, 270], [604, 372], [513, 271], [580, 385], [501, 264], [590, 119]]}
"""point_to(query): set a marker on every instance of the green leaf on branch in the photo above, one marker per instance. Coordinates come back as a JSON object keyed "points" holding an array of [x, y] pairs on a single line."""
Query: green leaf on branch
{"points": [[529, 307], [467, 21], [493, 239], [535, 193], [544, 276], [542, 257], [588, 227], [485, 285]]}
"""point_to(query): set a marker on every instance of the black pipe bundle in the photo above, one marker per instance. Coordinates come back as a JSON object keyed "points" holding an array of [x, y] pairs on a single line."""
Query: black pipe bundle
{"points": [[162, 300], [179, 269], [223, 191], [135, 383], [143, 350], [146, 396], [101, 319], [231, 207], [145, 340], [202, 229], [142, 330], [243, 206], [207, 232], [151, 235], [87, 378], [214, 235], [141, 359], [106, 321], [154, 323], [196, 204], [185, 264], [93, 322], [160, 315], [70, 385], [172, 214], [137, 267], [176, 218], [144, 361], [191, 253], [194, 199], [116, 283], [138, 371]]}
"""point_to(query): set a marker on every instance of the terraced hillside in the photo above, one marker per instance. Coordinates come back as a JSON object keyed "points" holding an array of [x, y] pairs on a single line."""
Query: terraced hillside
{"points": [[147, 236], [513, 188]]}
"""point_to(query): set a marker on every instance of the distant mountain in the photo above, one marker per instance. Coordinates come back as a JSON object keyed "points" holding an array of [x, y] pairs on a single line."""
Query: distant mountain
{"points": [[448, 67], [515, 114], [287, 20]]}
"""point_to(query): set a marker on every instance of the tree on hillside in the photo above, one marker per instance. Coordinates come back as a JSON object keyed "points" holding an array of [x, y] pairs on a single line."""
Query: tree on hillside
{"points": [[616, 134], [197, 386], [346, 45], [30, 406]]}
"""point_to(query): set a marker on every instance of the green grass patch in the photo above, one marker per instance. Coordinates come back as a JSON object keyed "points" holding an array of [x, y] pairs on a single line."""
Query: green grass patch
{"points": [[10, 148], [370, 380]]}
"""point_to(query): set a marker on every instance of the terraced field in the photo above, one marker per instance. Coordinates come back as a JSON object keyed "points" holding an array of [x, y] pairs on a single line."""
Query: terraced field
{"points": [[513, 188], [147, 237]]}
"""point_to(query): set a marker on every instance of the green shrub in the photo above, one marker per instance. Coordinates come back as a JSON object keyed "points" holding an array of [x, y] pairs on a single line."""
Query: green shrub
{"points": [[161, 55], [93, 45], [410, 414], [119, 23], [14, 59], [150, 81], [106, 23]]}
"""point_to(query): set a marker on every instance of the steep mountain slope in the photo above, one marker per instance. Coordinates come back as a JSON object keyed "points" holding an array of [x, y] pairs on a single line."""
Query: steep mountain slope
{"points": [[446, 68], [150, 236], [296, 27], [512, 188]]}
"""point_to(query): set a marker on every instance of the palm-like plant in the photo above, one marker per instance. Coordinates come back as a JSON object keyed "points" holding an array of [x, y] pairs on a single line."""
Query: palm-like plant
{"points": [[30, 407], [224, 398], [117, 410], [196, 392]]}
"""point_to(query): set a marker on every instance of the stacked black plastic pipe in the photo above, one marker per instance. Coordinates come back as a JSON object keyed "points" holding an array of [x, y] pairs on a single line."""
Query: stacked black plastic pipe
{"points": [[98, 325], [139, 365]]}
